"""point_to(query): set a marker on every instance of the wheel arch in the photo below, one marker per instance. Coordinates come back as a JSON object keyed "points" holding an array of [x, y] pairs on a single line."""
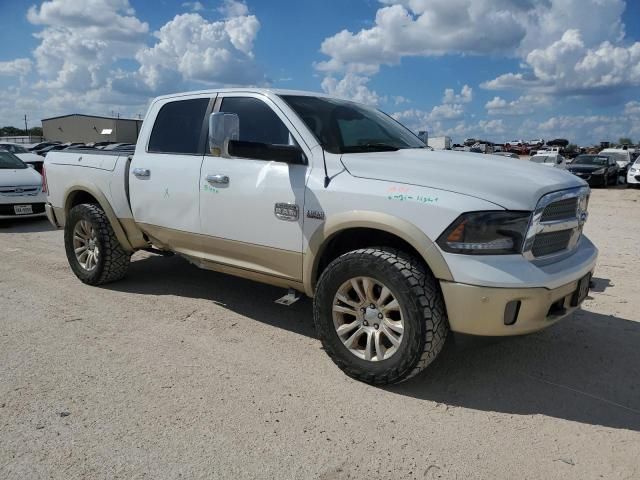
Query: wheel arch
{"points": [[394, 231], [89, 193]]}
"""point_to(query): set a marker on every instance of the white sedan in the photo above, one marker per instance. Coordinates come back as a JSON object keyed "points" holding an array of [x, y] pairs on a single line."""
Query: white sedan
{"points": [[20, 188], [550, 159], [23, 154], [633, 175]]}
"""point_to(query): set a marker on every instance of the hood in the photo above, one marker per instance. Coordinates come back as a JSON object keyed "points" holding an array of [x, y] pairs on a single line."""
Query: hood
{"points": [[584, 168], [29, 157], [21, 177], [508, 182]]}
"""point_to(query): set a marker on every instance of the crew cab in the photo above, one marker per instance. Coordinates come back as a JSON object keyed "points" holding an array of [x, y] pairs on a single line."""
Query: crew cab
{"points": [[397, 244]]}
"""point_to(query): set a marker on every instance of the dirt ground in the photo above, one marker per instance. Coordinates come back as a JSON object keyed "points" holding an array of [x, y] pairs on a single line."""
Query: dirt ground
{"points": [[181, 373]]}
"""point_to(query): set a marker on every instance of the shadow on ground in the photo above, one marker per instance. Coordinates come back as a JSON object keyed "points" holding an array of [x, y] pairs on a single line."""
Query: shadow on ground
{"points": [[25, 225], [585, 369]]}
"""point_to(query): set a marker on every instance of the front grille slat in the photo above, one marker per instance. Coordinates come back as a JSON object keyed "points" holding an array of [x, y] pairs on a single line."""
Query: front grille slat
{"points": [[561, 210], [552, 242]]}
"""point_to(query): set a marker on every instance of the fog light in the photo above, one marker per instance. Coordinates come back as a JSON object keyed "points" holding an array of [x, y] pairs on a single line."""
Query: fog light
{"points": [[511, 312]]}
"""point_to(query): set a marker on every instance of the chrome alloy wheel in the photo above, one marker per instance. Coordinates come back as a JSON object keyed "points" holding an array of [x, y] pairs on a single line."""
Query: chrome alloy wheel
{"points": [[368, 319], [85, 244]]}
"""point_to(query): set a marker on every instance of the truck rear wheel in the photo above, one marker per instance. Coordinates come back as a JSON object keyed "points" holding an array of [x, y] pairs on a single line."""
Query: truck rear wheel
{"points": [[94, 253], [380, 315]]}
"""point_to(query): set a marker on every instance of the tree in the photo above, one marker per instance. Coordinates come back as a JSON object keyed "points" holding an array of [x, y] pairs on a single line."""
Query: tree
{"points": [[625, 141], [35, 131]]}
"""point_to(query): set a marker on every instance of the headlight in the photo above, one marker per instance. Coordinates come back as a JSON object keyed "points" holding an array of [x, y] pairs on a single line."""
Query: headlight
{"points": [[599, 172], [633, 170], [486, 233]]}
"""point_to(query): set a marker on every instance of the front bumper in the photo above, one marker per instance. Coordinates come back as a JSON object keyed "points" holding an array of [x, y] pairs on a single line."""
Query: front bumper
{"points": [[484, 285], [633, 178], [477, 310]]}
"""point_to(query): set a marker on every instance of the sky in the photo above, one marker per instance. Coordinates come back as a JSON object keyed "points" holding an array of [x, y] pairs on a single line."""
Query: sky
{"points": [[500, 70]]}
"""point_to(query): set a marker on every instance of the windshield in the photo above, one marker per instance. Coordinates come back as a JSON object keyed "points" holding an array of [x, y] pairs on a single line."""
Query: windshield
{"points": [[618, 156], [10, 161], [347, 127], [543, 159], [13, 148], [590, 160]]}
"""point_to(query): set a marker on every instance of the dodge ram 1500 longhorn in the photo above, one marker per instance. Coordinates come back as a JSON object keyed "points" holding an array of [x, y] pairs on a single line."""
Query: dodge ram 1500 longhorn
{"points": [[396, 244]]}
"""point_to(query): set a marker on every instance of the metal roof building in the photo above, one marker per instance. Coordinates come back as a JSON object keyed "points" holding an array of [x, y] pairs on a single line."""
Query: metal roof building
{"points": [[76, 127]]}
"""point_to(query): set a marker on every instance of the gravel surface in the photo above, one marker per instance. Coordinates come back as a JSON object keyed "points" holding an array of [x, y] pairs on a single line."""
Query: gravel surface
{"points": [[176, 372]]}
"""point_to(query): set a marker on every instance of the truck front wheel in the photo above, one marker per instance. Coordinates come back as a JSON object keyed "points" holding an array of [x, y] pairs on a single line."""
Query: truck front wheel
{"points": [[380, 315], [94, 253]]}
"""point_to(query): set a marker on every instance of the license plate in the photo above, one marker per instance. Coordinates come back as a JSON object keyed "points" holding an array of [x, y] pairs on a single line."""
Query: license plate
{"points": [[582, 291], [23, 209]]}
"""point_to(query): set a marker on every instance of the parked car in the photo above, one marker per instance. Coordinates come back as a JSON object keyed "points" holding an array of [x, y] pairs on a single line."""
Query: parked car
{"points": [[39, 146], [51, 148], [20, 188], [633, 175], [600, 170], [622, 157], [549, 159], [30, 158], [396, 244], [507, 154]]}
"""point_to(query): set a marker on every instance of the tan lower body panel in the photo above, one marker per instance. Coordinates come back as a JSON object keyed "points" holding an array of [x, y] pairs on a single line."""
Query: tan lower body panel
{"points": [[265, 264], [480, 310]]}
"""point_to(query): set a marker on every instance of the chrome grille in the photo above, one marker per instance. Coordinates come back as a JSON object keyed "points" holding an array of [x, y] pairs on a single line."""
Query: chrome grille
{"points": [[19, 191], [556, 225], [549, 243], [560, 210]]}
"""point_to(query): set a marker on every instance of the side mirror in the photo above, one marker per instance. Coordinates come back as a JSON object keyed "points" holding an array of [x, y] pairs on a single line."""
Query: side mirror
{"points": [[559, 161], [223, 128]]}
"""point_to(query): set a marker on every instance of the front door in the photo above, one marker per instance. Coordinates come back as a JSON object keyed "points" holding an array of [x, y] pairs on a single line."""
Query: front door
{"points": [[252, 210]]}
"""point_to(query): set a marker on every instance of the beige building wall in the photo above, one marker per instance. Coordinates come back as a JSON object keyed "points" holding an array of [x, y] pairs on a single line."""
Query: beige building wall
{"points": [[85, 128]]}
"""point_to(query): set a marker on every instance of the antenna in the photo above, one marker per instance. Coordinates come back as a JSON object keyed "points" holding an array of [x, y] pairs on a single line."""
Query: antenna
{"points": [[327, 180]]}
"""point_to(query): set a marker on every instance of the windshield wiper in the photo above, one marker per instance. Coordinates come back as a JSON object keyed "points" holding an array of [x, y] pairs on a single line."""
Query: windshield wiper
{"points": [[370, 147]]}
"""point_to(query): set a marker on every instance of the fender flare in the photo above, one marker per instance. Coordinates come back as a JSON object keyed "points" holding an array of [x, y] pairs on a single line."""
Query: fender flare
{"points": [[375, 220], [96, 193]]}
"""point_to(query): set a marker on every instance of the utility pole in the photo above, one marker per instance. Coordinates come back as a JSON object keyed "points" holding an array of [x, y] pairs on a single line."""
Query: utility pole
{"points": [[26, 129]]}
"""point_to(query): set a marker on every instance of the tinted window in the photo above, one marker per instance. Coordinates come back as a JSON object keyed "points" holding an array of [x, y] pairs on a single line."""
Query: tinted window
{"points": [[10, 161], [178, 127], [258, 123]]}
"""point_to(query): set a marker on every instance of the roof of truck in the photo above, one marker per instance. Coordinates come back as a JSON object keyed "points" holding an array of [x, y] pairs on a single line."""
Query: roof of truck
{"points": [[263, 91]]}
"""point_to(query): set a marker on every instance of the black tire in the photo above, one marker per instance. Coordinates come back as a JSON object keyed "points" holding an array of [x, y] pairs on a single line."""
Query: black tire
{"points": [[422, 305], [113, 260]]}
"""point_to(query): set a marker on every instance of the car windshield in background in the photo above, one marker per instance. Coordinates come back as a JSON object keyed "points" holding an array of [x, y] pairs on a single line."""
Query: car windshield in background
{"points": [[10, 161], [590, 160], [543, 159], [346, 127], [13, 148], [618, 157]]}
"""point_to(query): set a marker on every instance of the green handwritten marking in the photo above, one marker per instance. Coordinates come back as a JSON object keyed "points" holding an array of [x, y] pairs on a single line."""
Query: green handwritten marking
{"points": [[208, 188], [410, 198]]}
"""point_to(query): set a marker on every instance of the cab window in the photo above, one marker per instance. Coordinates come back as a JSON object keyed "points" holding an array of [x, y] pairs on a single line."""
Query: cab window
{"points": [[178, 127]]}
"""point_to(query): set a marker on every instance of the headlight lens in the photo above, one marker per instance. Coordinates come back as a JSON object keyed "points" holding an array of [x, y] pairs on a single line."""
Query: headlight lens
{"points": [[486, 233], [633, 170], [599, 172]]}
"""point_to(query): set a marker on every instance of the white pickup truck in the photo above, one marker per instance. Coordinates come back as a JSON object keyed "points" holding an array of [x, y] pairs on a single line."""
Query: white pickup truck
{"points": [[397, 244]]}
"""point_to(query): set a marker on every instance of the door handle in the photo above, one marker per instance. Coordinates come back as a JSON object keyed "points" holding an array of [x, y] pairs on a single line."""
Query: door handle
{"points": [[142, 172], [218, 179]]}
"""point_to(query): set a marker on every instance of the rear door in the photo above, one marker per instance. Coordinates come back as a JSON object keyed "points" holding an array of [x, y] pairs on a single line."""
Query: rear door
{"points": [[165, 172]]}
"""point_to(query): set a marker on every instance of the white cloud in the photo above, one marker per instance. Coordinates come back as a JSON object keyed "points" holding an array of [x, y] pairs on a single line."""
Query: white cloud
{"points": [[18, 67], [351, 87], [523, 105], [190, 48], [194, 6], [465, 96], [234, 8], [632, 108]]}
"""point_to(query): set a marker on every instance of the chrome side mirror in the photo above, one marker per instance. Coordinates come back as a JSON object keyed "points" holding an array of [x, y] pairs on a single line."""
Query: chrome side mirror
{"points": [[223, 127]]}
